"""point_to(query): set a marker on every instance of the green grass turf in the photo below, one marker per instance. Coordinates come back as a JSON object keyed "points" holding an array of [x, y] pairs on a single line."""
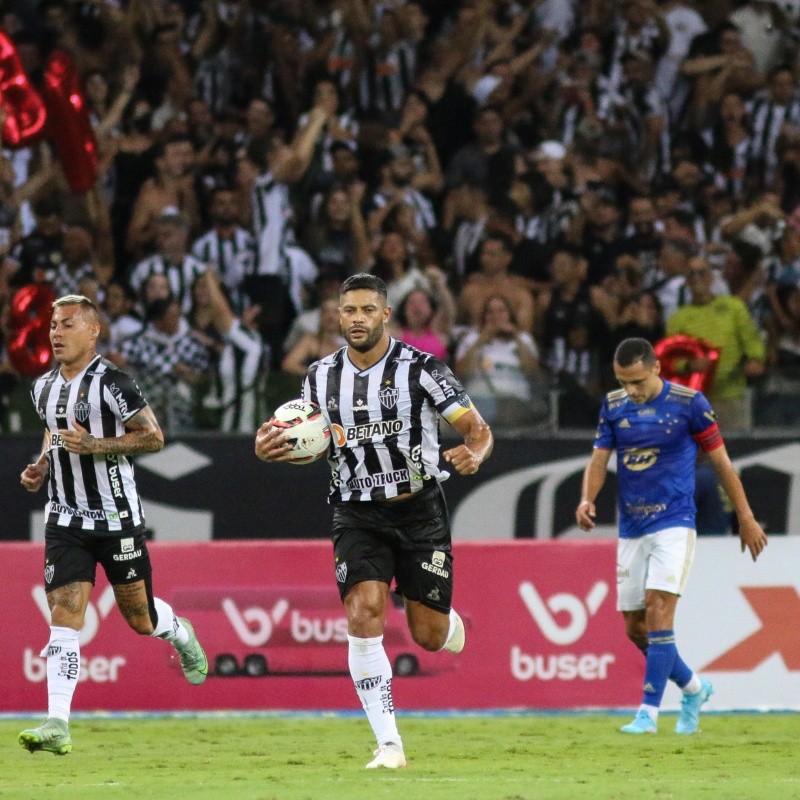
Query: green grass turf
{"points": [[526, 757]]}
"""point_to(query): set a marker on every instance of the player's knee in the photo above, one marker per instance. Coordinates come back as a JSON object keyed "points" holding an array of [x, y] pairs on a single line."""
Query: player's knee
{"points": [[364, 615]]}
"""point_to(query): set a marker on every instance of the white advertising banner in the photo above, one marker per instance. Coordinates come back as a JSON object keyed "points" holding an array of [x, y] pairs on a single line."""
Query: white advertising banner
{"points": [[739, 624]]}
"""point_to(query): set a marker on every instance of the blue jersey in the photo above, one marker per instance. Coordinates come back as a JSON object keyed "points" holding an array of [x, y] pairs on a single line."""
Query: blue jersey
{"points": [[656, 444]]}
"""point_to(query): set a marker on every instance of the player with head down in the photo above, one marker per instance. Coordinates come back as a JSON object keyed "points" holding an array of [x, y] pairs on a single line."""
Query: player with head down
{"points": [[655, 427]]}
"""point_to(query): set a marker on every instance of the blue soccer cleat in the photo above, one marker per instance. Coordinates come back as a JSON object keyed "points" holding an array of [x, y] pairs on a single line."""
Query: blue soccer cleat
{"points": [[642, 723], [689, 718]]}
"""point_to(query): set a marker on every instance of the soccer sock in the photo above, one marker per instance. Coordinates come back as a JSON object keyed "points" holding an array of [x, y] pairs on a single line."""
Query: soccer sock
{"points": [[452, 628], [372, 675], [682, 675], [661, 654], [168, 626], [63, 653]]}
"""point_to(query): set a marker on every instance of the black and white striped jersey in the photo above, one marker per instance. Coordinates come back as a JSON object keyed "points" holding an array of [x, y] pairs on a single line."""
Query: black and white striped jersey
{"points": [[766, 122], [232, 256], [181, 276], [272, 224], [90, 492], [384, 423]]}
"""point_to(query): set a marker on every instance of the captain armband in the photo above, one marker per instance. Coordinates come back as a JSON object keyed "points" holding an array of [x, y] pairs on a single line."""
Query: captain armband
{"points": [[709, 439]]}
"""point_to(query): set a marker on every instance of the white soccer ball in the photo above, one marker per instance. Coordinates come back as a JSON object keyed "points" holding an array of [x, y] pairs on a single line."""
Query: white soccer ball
{"points": [[306, 428]]}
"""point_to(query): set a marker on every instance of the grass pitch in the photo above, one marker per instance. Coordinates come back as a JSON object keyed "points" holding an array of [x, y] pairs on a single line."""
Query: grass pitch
{"points": [[527, 757]]}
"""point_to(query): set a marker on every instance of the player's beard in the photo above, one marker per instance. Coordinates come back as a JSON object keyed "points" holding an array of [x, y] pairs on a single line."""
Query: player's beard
{"points": [[367, 344]]}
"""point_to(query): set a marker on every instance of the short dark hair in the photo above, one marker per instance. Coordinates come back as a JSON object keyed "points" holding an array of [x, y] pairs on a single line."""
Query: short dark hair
{"points": [[629, 351], [364, 280]]}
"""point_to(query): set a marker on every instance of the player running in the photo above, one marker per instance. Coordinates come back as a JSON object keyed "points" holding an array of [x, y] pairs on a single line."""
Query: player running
{"points": [[94, 417], [381, 399]]}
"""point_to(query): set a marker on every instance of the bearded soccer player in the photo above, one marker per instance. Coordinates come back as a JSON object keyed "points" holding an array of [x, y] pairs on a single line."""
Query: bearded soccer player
{"points": [[655, 427], [381, 399], [94, 418]]}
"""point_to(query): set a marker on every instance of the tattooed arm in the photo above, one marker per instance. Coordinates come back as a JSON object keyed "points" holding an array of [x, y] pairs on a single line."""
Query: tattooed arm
{"points": [[142, 435]]}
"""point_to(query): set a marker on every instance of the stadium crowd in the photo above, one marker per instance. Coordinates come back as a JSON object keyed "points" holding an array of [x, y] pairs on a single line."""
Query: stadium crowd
{"points": [[535, 181]]}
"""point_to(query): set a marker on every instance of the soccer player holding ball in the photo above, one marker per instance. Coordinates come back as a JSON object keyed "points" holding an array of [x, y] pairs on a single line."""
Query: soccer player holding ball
{"points": [[656, 427], [381, 399]]}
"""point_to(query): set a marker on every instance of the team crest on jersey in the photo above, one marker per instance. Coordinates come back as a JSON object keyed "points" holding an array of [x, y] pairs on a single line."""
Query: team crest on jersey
{"points": [[49, 571], [389, 397], [81, 411], [341, 572]]}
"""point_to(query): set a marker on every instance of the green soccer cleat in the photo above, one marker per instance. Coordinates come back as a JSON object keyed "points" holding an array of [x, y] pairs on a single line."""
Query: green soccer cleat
{"points": [[193, 659], [52, 736]]}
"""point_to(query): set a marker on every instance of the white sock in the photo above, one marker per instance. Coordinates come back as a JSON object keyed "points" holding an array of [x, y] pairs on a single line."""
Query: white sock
{"points": [[63, 653], [694, 685], [452, 629], [168, 626], [372, 675], [651, 710]]}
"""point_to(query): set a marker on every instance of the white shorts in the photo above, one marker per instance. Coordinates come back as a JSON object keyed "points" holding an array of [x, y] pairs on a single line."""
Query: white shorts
{"points": [[659, 560]]}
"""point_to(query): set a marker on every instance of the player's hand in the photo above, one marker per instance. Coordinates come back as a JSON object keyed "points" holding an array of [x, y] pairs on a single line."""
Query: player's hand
{"points": [[463, 460], [79, 440], [33, 476], [585, 514], [752, 536], [272, 444]]}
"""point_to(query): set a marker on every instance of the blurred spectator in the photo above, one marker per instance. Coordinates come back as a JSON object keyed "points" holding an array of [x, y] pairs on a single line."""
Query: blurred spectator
{"points": [[725, 323], [36, 256], [425, 319], [598, 232], [769, 113], [729, 151], [779, 403], [643, 235], [493, 278], [396, 188], [413, 134], [171, 188], [466, 212], [498, 364], [238, 360], [337, 240], [226, 246], [489, 160], [172, 259], [764, 30], [634, 110], [118, 320], [393, 264], [169, 364], [312, 346], [77, 260]]}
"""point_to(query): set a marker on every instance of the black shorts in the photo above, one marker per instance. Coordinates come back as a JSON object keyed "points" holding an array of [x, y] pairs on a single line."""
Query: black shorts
{"points": [[408, 540], [73, 555]]}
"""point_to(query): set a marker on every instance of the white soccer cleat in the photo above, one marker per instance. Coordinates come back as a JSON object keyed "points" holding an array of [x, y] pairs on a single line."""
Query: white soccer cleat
{"points": [[455, 644], [389, 755]]}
